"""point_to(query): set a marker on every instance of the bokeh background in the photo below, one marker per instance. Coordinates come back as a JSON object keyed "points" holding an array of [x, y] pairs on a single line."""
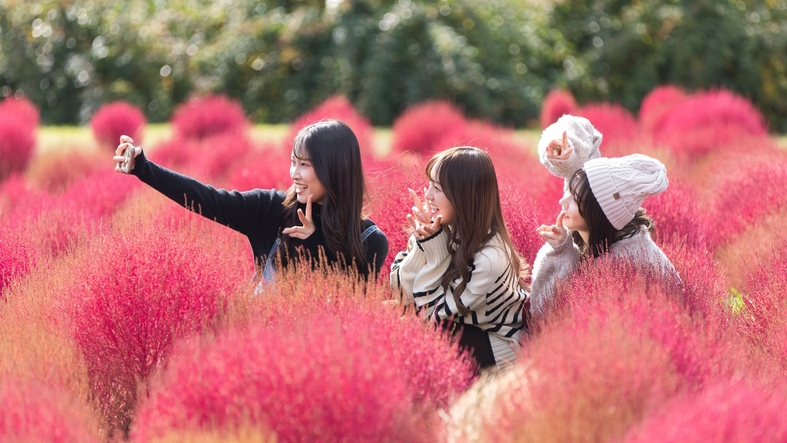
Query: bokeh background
{"points": [[495, 59]]}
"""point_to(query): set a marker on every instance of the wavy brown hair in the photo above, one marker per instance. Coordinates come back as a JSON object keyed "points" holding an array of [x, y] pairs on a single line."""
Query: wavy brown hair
{"points": [[467, 177], [333, 150], [601, 233]]}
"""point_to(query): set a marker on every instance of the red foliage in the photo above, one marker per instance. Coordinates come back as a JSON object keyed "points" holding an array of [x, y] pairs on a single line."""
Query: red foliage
{"points": [[219, 153], [710, 122], [676, 216], [115, 119], [616, 124], [764, 314], [176, 153], [23, 109], [16, 258], [55, 171], [694, 336], [390, 204], [557, 103], [201, 117], [422, 127], [728, 412], [31, 412], [17, 142], [586, 378], [140, 287], [264, 168], [344, 370], [747, 187], [657, 105], [337, 108], [522, 217]]}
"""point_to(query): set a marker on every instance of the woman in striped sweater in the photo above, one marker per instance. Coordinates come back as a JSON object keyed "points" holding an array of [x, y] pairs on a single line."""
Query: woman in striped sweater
{"points": [[460, 268]]}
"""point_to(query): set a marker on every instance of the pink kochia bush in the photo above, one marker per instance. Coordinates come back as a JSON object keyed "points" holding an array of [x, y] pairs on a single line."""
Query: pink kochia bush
{"points": [[749, 187], [32, 412], [23, 109], [422, 127], [115, 119], [657, 104], [316, 366], [727, 412], [337, 108], [138, 288], [713, 121], [617, 124], [557, 103], [201, 117], [17, 142], [587, 378], [267, 167]]}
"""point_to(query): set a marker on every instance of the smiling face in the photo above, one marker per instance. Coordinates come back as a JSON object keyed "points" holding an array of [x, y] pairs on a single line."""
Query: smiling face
{"points": [[572, 220], [438, 201], [305, 179]]}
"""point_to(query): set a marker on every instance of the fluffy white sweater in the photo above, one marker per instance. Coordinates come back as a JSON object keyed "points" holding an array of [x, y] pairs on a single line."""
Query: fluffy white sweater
{"points": [[556, 263]]}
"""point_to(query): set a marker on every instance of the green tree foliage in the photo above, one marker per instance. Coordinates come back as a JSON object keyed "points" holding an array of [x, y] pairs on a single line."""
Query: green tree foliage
{"points": [[494, 58]]}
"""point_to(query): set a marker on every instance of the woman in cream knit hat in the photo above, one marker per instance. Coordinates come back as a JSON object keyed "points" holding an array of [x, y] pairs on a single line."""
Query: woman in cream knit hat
{"points": [[600, 214]]}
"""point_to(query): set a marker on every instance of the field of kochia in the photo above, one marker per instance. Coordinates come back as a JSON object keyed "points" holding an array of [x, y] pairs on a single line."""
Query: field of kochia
{"points": [[124, 317]]}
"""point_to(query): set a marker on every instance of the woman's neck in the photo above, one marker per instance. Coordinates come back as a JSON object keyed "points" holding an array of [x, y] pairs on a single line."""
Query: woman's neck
{"points": [[585, 236]]}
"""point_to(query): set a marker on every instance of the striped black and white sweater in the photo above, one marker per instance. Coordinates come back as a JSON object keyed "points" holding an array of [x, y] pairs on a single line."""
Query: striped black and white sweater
{"points": [[492, 294]]}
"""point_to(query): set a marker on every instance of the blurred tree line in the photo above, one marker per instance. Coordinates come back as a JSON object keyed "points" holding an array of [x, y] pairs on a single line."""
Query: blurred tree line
{"points": [[494, 58]]}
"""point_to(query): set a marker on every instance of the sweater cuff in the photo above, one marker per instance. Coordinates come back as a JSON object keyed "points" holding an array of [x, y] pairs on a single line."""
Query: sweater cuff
{"points": [[567, 243], [435, 247]]}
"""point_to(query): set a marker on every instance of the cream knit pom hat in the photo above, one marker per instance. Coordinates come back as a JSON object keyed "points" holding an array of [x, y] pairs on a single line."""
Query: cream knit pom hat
{"points": [[620, 185]]}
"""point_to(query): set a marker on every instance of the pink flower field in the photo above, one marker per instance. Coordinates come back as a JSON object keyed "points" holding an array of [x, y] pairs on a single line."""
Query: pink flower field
{"points": [[126, 318]]}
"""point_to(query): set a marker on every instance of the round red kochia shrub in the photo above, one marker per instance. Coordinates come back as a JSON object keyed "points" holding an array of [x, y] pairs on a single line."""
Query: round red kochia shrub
{"points": [[17, 143], [320, 367], [727, 412], [657, 105], [421, 127], [220, 153], [266, 168], [557, 103], [675, 215], [337, 108], [712, 121], [21, 108], [115, 119], [616, 124], [140, 286], [201, 117], [747, 188], [55, 171], [33, 412], [764, 312]]}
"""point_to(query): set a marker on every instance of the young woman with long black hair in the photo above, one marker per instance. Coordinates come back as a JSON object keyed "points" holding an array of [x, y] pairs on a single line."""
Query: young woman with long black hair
{"points": [[320, 214]]}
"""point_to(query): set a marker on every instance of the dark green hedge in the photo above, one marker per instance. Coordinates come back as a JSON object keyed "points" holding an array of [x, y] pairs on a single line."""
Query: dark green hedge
{"points": [[495, 58]]}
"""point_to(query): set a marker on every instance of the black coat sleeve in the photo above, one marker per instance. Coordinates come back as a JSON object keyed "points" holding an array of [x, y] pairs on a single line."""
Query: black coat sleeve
{"points": [[253, 213]]}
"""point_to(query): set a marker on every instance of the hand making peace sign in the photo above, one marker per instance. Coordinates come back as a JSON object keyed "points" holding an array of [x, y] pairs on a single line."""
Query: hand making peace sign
{"points": [[302, 232], [559, 151], [422, 226]]}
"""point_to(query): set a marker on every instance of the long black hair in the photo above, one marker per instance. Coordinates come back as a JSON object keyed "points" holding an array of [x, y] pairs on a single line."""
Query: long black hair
{"points": [[333, 150], [601, 233]]}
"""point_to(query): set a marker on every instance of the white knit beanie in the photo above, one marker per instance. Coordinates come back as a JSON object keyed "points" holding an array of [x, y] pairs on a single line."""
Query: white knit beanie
{"points": [[620, 185]]}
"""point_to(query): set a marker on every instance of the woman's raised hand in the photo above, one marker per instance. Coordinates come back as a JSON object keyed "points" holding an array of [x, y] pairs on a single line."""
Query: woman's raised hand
{"points": [[422, 226], [559, 151], [555, 234], [302, 232], [125, 143]]}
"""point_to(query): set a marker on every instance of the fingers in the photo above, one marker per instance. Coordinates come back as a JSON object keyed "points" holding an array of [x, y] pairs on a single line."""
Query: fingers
{"points": [[559, 221], [565, 141], [309, 208], [126, 139]]}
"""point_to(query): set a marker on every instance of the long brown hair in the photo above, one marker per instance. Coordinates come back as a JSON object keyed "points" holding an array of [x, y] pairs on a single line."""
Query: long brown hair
{"points": [[601, 233], [467, 177], [332, 149]]}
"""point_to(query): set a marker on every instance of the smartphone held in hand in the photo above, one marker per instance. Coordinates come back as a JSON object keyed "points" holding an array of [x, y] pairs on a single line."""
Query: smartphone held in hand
{"points": [[128, 160]]}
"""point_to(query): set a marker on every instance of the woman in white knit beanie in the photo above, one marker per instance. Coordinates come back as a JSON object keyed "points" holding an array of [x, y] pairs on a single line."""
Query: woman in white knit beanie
{"points": [[601, 214]]}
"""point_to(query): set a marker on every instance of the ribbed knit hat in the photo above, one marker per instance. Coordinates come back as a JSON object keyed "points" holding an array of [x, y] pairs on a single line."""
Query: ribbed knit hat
{"points": [[620, 185]]}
